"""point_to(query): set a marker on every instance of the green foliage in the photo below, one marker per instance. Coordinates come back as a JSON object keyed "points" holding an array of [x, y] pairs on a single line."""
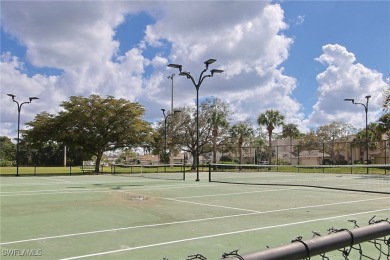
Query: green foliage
{"points": [[181, 128], [270, 119], [225, 159], [290, 131], [386, 97], [7, 150], [96, 124], [241, 132]]}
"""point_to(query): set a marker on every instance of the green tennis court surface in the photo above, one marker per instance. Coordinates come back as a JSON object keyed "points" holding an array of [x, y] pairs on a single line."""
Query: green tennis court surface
{"points": [[118, 217]]}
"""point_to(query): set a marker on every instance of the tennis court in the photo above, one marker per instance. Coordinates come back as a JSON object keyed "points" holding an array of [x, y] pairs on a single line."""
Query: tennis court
{"points": [[120, 217]]}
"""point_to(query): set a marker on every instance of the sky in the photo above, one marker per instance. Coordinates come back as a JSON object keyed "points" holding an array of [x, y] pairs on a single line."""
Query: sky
{"points": [[302, 58]]}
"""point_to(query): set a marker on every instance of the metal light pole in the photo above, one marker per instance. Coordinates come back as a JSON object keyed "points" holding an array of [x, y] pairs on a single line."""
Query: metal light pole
{"points": [[171, 78], [197, 86], [19, 109], [366, 111], [165, 131]]}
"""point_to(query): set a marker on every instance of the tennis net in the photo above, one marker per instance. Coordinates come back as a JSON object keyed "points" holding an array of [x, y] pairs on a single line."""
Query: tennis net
{"points": [[160, 171], [337, 177]]}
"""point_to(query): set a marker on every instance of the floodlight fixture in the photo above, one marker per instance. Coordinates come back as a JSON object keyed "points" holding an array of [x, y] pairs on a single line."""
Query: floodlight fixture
{"points": [[32, 98], [210, 61], [350, 99], [11, 95], [176, 66], [213, 71]]}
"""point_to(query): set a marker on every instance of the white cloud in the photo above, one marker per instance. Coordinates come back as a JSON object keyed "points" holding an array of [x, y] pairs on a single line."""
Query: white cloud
{"points": [[78, 38], [344, 78], [246, 40], [246, 37]]}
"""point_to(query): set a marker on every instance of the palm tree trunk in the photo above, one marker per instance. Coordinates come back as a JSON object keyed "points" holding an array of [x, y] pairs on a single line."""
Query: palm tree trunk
{"points": [[214, 148], [269, 148]]}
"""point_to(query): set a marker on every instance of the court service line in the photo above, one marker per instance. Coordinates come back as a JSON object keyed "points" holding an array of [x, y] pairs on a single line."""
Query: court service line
{"points": [[277, 210], [55, 193], [178, 222], [234, 193], [163, 187], [214, 206], [220, 235], [55, 179]]}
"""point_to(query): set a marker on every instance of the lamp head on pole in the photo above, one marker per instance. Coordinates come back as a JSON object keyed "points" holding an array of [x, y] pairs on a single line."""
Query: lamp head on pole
{"points": [[213, 71], [350, 99], [12, 96], [163, 110], [368, 97], [32, 98], [209, 61], [177, 66]]}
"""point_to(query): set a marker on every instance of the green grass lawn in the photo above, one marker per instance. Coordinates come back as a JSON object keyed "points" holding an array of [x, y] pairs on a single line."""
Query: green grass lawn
{"points": [[41, 170], [76, 170]]}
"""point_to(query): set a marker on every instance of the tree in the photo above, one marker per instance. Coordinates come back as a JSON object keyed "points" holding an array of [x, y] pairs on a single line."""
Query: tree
{"points": [[270, 119], [334, 137], [384, 124], [219, 123], [241, 132], [7, 151], [260, 141], [94, 123], [159, 137], [290, 131], [386, 96], [184, 130], [310, 141], [213, 116]]}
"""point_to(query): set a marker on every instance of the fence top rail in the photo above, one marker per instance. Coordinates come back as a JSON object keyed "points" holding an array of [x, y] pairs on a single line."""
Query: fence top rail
{"points": [[345, 166], [148, 165], [300, 249], [305, 166]]}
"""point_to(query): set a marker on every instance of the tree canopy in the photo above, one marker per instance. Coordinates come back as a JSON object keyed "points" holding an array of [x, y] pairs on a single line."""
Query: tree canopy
{"points": [[96, 124]]}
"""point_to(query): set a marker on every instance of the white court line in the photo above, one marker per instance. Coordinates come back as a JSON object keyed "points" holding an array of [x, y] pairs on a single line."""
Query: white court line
{"points": [[162, 187], [54, 193], [277, 210], [234, 193], [183, 222], [55, 179], [220, 235], [214, 206]]}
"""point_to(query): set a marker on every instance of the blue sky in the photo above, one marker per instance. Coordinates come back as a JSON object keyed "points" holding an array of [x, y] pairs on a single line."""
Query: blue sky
{"points": [[358, 25], [300, 57]]}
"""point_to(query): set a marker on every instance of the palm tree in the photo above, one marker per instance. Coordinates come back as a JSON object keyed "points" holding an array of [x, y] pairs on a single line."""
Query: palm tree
{"points": [[270, 119], [218, 120], [384, 124], [290, 131], [241, 131]]}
